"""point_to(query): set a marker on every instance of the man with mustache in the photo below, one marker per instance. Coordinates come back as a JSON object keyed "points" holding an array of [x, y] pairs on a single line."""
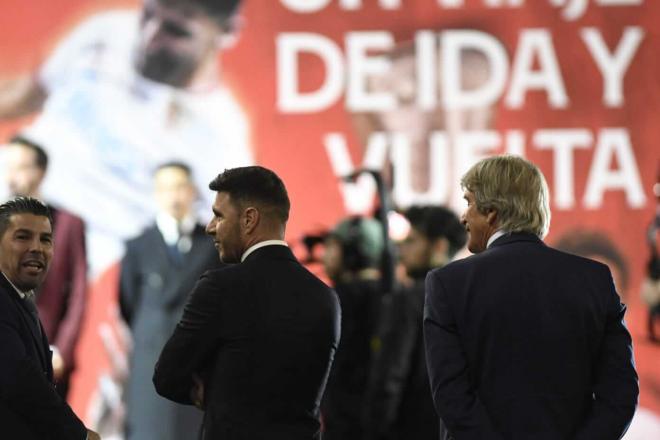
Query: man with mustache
{"points": [[30, 407]]}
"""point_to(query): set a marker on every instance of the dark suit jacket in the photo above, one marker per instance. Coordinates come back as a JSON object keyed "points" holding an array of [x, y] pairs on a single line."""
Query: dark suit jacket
{"points": [[263, 334], [399, 404], [154, 287], [526, 342], [61, 298], [344, 398], [30, 408]]}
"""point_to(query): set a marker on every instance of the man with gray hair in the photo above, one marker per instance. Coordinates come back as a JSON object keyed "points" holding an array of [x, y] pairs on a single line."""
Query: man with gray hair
{"points": [[524, 341]]}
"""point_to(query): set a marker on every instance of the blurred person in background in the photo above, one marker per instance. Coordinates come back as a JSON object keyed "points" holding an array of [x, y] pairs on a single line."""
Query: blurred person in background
{"points": [[125, 91], [352, 259], [62, 297], [651, 286], [159, 268], [399, 404]]}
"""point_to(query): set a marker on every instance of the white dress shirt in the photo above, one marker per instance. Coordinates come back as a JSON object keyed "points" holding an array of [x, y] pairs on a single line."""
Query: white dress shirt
{"points": [[261, 244]]}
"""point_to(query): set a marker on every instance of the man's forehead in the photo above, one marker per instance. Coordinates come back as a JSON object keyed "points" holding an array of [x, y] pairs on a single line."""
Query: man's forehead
{"points": [[30, 222], [222, 199]]}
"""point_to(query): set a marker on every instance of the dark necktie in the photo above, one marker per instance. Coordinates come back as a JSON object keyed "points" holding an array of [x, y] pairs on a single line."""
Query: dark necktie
{"points": [[175, 253], [32, 308]]}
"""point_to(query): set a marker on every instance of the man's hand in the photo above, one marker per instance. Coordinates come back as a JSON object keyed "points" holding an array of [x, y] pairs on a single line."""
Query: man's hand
{"points": [[197, 392], [91, 435]]}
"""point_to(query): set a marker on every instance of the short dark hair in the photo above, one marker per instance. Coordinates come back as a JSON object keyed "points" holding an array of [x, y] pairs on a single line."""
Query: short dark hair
{"points": [[254, 184], [175, 164], [42, 157], [222, 11], [22, 205], [438, 222]]}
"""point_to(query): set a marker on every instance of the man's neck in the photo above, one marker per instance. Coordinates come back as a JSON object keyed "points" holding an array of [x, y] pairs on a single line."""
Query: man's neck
{"points": [[260, 244]]}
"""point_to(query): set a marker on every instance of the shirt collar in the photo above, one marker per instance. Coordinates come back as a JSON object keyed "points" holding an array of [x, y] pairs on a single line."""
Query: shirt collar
{"points": [[497, 234], [261, 244], [171, 230], [22, 294]]}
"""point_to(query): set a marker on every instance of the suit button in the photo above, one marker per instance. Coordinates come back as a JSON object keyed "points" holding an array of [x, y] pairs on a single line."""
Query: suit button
{"points": [[154, 280]]}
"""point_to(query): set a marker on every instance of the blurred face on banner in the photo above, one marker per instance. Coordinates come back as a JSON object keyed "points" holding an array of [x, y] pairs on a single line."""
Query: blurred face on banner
{"points": [[415, 122], [175, 193], [176, 38], [23, 175]]}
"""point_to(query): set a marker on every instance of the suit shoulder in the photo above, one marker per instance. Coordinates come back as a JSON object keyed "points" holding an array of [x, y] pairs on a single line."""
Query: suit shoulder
{"points": [[226, 273], [455, 267], [578, 261]]}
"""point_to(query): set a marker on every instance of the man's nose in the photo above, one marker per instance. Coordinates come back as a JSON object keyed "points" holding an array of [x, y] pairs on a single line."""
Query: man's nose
{"points": [[36, 246], [210, 228]]}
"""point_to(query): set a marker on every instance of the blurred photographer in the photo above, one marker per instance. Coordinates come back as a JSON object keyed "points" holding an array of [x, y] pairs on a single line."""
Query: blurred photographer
{"points": [[399, 404], [352, 258]]}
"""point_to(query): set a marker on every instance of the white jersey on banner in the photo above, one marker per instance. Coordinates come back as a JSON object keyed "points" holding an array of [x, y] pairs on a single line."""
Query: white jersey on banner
{"points": [[106, 128]]}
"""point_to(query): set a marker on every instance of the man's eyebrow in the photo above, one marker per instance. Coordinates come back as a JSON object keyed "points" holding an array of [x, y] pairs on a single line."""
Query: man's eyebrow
{"points": [[24, 231]]}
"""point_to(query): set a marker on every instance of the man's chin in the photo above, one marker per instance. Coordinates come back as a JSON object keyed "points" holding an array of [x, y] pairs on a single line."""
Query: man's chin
{"points": [[25, 285], [228, 259]]}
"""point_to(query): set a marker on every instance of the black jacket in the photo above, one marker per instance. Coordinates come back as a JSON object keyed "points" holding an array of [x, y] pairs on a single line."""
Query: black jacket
{"points": [[344, 399], [398, 404], [30, 408], [526, 342], [262, 334]]}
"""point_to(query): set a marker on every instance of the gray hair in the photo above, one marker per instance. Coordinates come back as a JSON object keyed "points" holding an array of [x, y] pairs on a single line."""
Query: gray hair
{"points": [[515, 188]]}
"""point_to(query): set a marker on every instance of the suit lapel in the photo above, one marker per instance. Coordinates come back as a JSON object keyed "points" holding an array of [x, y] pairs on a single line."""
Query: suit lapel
{"points": [[158, 248], [35, 329], [194, 263]]}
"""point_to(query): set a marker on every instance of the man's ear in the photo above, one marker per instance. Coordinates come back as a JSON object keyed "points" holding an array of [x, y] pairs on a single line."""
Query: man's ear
{"points": [[491, 216], [250, 219]]}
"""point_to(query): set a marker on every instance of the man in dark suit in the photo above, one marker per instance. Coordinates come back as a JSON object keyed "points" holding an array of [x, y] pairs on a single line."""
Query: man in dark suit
{"points": [[158, 270], [524, 341], [399, 404], [30, 408], [62, 297], [259, 335]]}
